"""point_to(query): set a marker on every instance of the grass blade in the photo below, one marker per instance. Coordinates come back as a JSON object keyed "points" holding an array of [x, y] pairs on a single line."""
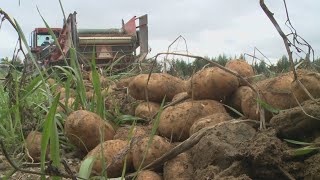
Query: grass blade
{"points": [[48, 132], [86, 167]]}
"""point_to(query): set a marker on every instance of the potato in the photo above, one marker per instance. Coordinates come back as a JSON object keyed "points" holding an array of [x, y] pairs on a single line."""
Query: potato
{"points": [[209, 121], [70, 103], [175, 121], [114, 160], [89, 95], [124, 83], [63, 92], [51, 81], [83, 129], [158, 147], [178, 168], [148, 175], [237, 97], [274, 91], [147, 110], [212, 83], [311, 81], [122, 133], [241, 67], [33, 145], [159, 86], [180, 96]]}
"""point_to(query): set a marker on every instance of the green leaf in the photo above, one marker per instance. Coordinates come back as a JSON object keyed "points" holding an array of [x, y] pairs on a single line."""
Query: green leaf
{"points": [[267, 106], [97, 86], [86, 167], [50, 132], [234, 110], [297, 142], [303, 151]]}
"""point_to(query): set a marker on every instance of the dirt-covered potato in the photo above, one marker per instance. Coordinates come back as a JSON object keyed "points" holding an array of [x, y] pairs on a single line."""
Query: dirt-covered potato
{"points": [[63, 92], [147, 110], [175, 121], [212, 83], [124, 83], [311, 81], [236, 98], [121, 101], [209, 121], [89, 95], [70, 103], [83, 129], [123, 133], [178, 168], [114, 159], [274, 91], [51, 81], [148, 175], [33, 145], [180, 96], [241, 67], [160, 85], [158, 147]]}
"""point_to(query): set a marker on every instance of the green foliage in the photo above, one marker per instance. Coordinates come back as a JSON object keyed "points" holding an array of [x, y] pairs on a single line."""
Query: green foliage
{"points": [[308, 147]]}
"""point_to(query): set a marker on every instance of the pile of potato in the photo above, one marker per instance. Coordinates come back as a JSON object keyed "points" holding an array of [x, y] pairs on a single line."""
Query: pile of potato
{"points": [[199, 102]]}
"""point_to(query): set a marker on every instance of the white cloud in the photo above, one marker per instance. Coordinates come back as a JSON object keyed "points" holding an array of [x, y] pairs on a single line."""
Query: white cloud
{"points": [[211, 27]]}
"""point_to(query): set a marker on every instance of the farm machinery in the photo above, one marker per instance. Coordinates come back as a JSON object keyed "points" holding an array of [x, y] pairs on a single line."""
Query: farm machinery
{"points": [[106, 45]]}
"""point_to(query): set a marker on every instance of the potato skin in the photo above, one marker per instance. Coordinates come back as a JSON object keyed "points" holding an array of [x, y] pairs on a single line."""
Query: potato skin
{"points": [[241, 67], [311, 81], [178, 168], [148, 175], [158, 147], [83, 129], [274, 91], [160, 86], [212, 83], [111, 150], [147, 110], [237, 97], [122, 133], [33, 145], [175, 121], [209, 121], [124, 83], [180, 96]]}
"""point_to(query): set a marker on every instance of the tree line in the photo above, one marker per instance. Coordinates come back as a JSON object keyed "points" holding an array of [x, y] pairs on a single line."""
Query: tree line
{"points": [[182, 68]]}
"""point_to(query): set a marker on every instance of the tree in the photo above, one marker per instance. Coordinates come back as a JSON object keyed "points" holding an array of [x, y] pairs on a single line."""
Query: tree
{"points": [[283, 64]]}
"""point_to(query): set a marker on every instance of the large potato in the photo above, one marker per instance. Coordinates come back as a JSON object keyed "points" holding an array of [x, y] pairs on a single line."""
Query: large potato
{"points": [[241, 67], [83, 129], [147, 110], [33, 145], [212, 83], [123, 133], [148, 175], [209, 121], [175, 121], [113, 158], [124, 83], [311, 81], [160, 85], [274, 91], [178, 168], [158, 147], [237, 97]]}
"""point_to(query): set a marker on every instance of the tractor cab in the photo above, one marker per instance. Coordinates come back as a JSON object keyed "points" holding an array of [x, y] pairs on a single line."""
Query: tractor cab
{"points": [[41, 38], [42, 43]]}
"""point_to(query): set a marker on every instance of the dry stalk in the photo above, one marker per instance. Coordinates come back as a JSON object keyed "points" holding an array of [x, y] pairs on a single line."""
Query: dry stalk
{"points": [[287, 42]]}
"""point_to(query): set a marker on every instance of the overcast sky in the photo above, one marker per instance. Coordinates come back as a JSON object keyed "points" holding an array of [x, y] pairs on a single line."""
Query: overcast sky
{"points": [[211, 27]]}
